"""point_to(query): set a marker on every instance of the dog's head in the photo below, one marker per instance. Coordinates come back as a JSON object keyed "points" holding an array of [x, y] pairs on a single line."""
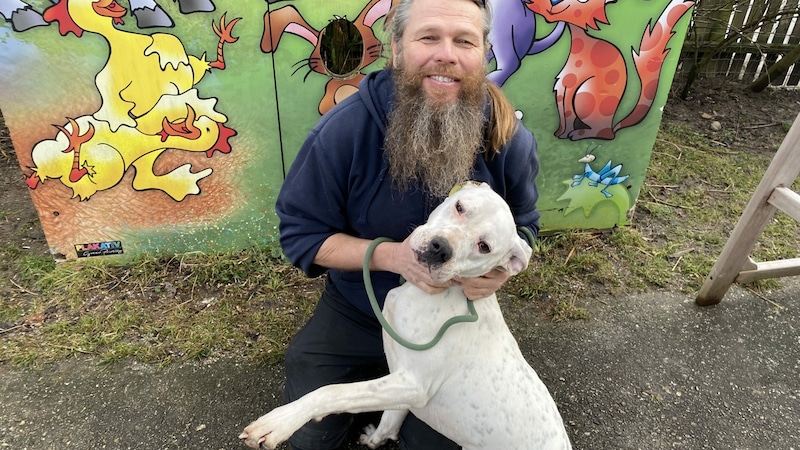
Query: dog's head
{"points": [[469, 234]]}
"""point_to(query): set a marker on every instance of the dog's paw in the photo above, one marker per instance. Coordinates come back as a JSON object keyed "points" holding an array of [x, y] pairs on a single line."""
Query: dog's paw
{"points": [[250, 439], [372, 438], [261, 437], [253, 438], [269, 430]]}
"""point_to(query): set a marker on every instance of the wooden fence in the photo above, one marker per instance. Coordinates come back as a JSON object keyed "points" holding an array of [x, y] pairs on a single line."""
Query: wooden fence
{"points": [[757, 33]]}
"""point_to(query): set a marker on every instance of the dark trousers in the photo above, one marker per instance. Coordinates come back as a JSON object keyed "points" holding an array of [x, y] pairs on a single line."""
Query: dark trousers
{"points": [[340, 344]]}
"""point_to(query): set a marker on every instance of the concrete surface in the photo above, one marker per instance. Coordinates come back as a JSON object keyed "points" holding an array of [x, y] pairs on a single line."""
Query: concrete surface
{"points": [[646, 372]]}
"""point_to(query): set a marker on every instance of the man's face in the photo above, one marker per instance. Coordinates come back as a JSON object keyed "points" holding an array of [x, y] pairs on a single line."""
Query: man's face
{"points": [[444, 43]]}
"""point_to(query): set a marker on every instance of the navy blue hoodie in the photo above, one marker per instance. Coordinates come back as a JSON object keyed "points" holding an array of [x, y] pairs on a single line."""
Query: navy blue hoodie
{"points": [[339, 183]]}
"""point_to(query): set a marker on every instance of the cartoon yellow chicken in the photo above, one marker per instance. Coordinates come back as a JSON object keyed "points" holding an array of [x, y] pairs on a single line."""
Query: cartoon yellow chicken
{"points": [[148, 104]]}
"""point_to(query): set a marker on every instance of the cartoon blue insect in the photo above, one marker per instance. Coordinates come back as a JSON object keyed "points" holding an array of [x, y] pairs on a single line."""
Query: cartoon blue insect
{"points": [[607, 176]]}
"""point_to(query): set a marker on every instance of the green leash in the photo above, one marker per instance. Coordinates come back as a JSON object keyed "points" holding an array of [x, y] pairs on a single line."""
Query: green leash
{"points": [[471, 317], [528, 235]]}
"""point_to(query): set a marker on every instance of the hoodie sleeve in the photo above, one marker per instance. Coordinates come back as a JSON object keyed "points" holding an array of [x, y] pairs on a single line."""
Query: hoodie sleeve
{"points": [[310, 204], [324, 190], [521, 169]]}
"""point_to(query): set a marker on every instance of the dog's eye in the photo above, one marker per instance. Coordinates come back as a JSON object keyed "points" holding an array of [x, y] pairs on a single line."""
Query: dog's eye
{"points": [[483, 247], [459, 208]]}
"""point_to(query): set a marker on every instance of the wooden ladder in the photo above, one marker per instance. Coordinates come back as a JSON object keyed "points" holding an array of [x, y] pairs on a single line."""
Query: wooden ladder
{"points": [[773, 193]]}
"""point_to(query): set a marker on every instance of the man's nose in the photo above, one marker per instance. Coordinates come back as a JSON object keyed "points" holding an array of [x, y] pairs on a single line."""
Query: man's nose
{"points": [[445, 52]]}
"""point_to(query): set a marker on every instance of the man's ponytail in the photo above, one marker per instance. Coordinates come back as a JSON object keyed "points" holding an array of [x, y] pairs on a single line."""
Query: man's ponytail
{"points": [[502, 123]]}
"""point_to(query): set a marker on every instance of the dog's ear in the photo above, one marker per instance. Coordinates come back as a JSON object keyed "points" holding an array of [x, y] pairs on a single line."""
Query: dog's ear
{"points": [[518, 258]]}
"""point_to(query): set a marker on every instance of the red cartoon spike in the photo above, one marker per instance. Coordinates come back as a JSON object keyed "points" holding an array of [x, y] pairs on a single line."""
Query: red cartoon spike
{"points": [[59, 13], [222, 144], [184, 128], [224, 32], [75, 141], [33, 180]]}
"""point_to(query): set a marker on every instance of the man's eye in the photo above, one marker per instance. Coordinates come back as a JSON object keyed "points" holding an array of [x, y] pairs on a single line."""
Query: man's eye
{"points": [[483, 247]]}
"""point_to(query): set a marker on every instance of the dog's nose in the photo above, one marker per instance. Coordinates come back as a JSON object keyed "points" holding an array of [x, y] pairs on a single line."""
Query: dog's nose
{"points": [[438, 252]]}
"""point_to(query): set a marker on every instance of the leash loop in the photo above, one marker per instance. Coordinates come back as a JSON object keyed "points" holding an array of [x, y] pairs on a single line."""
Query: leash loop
{"points": [[471, 317]]}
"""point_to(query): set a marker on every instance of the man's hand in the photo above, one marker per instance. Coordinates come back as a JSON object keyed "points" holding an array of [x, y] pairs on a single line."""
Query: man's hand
{"points": [[483, 286], [404, 262], [407, 265], [344, 252]]}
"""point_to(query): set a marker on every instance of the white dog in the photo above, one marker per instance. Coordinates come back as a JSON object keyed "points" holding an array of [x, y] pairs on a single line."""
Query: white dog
{"points": [[474, 385]]}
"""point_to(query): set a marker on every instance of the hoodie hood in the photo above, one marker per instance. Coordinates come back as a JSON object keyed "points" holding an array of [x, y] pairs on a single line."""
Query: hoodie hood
{"points": [[376, 90]]}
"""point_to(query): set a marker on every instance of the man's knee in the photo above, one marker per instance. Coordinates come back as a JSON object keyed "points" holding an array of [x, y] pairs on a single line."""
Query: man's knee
{"points": [[417, 435], [327, 434], [301, 375], [295, 357]]}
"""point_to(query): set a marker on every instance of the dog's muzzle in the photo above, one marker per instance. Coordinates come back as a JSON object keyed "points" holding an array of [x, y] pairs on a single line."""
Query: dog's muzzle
{"points": [[437, 252]]}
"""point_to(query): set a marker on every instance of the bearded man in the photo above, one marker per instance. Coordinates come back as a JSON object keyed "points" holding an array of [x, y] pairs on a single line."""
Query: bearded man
{"points": [[375, 166]]}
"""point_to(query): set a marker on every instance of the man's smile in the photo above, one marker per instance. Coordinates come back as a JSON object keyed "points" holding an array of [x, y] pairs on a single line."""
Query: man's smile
{"points": [[442, 79]]}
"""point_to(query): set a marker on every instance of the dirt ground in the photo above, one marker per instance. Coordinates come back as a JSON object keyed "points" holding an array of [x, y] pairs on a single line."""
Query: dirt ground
{"points": [[19, 223], [746, 122]]}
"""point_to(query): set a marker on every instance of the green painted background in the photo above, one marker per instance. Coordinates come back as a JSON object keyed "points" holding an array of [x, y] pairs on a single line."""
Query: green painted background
{"points": [[271, 100]]}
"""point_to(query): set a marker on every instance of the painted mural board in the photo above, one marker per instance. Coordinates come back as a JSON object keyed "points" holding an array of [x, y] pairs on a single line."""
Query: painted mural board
{"points": [[167, 126]]}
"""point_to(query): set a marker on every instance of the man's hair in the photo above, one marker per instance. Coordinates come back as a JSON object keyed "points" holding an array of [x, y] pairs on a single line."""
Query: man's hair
{"points": [[397, 19], [502, 122], [503, 119]]}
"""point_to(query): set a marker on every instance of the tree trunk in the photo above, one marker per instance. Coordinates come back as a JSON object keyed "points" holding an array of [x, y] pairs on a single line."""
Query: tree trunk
{"points": [[776, 70]]}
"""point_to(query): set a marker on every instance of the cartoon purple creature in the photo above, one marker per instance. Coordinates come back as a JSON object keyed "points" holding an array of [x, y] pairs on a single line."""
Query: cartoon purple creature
{"points": [[513, 37]]}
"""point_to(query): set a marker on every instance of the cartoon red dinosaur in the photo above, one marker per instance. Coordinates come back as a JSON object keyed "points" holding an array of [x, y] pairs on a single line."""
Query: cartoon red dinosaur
{"points": [[594, 78]]}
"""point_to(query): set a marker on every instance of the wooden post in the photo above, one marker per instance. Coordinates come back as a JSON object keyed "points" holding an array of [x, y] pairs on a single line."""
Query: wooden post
{"points": [[773, 193]]}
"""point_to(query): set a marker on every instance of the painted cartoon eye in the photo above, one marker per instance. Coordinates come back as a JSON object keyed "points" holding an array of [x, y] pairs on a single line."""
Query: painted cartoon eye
{"points": [[483, 247], [459, 208]]}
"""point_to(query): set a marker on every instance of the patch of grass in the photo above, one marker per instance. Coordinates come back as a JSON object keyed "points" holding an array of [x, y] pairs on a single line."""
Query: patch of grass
{"points": [[158, 309], [11, 313], [692, 198], [567, 310], [652, 268], [34, 268]]}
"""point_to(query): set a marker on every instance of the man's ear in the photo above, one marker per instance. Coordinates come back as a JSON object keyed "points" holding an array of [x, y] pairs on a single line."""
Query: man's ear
{"points": [[518, 257]]}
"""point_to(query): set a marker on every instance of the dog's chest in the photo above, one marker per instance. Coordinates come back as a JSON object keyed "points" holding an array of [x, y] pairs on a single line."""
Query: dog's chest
{"points": [[485, 395], [418, 317], [469, 354]]}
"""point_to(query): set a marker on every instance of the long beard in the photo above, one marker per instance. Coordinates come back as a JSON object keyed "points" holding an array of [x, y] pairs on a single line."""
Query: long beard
{"points": [[434, 144]]}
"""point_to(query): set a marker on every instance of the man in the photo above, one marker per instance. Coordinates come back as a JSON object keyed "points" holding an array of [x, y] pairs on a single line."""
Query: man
{"points": [[377, 165]]}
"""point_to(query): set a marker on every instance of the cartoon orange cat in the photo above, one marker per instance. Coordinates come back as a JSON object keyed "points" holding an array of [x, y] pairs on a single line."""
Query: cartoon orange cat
{"points": [[594, 78]]}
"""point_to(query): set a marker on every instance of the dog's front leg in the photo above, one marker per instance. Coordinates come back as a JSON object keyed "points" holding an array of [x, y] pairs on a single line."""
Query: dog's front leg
{"points": [[398, 390], [389, 427]]}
